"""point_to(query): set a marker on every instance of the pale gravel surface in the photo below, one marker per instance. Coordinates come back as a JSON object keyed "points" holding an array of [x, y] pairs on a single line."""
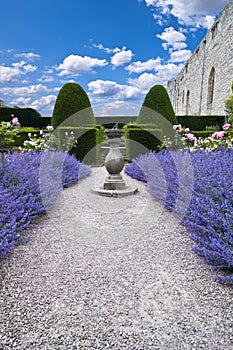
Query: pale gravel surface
{"points": [[105, 273]]}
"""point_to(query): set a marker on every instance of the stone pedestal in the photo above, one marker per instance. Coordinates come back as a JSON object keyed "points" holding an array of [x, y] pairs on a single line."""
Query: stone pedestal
{"points": [[114, 162], [114, 184]]}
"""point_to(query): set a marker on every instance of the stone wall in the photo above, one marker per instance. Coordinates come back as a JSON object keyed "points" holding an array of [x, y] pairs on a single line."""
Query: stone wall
{"points": [[204, 83]]}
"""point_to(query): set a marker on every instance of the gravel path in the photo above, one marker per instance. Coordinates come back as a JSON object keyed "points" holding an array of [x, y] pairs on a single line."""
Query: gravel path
{"points": [[111, 273]]}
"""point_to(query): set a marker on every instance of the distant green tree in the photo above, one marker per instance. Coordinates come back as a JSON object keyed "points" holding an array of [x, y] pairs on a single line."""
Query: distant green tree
{"points": [[156, 104], [72, 100]]}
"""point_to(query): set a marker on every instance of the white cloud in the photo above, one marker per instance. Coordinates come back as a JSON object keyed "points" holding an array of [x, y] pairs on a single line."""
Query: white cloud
{"points": [[172, 38], [101, 47], [168, 71], [159, 19], [45, 78], [10, 74], [24, 90], [145, 81], [179, 45], [21, 102], [107, 49], [180, 56], [139, 67], [103, 87], [29, 56], [164, 73], [121, 57], [116, 108], [205, 21], [195, 12], [75, 65], [44, 103], [106, 88]]}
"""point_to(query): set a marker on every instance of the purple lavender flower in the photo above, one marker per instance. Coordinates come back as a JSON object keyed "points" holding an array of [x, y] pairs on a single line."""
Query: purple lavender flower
{"points": [[209, 214], [21, 197]]}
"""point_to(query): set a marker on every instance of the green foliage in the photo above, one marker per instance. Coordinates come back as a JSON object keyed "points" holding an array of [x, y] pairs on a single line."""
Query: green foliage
{"points": [[26, 116], [8, 134], [109, 121], [88, 139], [156, 104], [204, 134], [199, 123], [23, 135], [229, 105], [72, 100], [140, 140]]}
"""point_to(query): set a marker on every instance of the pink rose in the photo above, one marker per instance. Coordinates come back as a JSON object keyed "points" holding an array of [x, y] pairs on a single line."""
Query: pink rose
{"points": [[191, 137], [49, 128], [220, 134], [187, 130], [175, 127], [226, 126], [15, 121], [214, 135], [217, 135]]}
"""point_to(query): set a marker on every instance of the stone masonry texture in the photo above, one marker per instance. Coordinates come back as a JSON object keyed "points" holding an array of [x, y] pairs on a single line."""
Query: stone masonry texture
{"points": [[204, 83]]}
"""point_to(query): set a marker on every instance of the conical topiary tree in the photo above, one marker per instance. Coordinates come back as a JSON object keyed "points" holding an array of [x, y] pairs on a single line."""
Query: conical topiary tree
{"points": [[156, 104], [72, 100]]}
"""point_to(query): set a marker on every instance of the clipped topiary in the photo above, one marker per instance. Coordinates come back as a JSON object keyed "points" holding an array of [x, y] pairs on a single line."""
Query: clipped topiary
{"points": [[156, 103], [72, 100]]}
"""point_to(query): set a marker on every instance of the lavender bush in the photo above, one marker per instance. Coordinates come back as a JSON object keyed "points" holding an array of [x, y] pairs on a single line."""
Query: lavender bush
{"points": [[208, 215], [29, 184]]}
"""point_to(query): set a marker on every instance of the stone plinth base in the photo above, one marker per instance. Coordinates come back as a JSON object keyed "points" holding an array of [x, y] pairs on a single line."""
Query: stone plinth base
{"points": [[115, 193], [114, 182]]}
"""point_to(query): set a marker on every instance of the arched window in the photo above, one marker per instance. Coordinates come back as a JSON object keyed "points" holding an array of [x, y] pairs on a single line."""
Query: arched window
{"points": [[187, 102], [210, 96]]}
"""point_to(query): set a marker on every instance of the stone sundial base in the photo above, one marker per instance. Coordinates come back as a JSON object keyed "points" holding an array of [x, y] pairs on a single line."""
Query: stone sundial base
{"points": [[115, 193], [114, 184]]}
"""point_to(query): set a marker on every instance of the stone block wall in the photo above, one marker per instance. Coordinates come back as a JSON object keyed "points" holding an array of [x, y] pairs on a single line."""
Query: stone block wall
{"points": [[204, 83]]}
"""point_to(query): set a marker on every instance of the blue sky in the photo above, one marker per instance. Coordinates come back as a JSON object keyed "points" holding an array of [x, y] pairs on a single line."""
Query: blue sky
{"points": [[115, 49]]}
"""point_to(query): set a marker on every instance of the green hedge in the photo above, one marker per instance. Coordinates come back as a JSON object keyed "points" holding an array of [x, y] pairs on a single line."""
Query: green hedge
{"points": [[109, 121], [27, 117], [88, 139], [140, 126], [207, 133], [140, 140], [199, 123]]}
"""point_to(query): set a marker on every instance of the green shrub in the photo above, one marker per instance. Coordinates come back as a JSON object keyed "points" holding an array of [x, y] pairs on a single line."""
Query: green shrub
{"points": [[26, 116], [229, 105], [204, 134], [199, 123], [156, 104], [23, 135], [140, 140], [88, 139], [109, 121], [72, 100]]}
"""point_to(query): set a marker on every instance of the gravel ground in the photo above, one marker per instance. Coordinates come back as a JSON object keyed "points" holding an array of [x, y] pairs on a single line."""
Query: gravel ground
{"points": [[111, 273]]}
